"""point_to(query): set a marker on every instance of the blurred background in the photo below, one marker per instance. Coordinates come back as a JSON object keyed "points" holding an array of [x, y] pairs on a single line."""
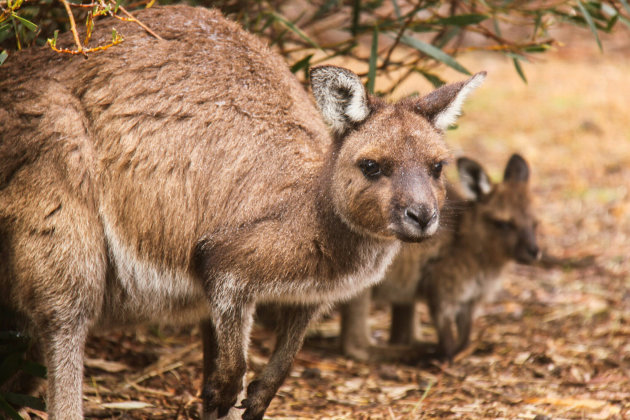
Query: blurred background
{"points": [[556, 341]]}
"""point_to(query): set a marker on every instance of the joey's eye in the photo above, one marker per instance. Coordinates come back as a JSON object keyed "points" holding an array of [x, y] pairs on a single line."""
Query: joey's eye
{"points": [[370, 168], [436, 169], [503, 224]]}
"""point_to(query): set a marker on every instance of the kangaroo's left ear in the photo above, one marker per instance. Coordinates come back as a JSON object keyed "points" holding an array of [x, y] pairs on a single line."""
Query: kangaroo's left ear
{"points": [[475, 181], [340, 96], [442, 106], [516, 169]]}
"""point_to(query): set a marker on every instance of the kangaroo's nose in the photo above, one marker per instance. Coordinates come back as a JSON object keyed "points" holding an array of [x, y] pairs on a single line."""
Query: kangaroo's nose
{"points": [[421, 215]]}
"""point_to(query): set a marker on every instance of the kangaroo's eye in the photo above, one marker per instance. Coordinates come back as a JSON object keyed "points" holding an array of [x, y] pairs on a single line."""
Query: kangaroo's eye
{"points": [[436, 169], [370, 168]]}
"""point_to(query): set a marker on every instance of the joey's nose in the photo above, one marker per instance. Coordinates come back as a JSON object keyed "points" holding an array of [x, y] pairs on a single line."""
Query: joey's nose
{"points": [[420, 216], [534, 251]]}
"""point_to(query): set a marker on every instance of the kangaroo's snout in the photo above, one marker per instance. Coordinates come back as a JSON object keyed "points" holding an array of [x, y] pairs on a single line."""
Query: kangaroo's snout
{"points": [[421, 216], [417, 221]]}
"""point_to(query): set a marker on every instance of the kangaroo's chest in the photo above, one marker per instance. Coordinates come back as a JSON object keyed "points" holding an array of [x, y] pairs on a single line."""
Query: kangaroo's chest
{"points": [[370, 269]]}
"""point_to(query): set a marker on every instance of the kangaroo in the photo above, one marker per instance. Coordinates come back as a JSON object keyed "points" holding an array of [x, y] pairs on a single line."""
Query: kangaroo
{"points": [[460, 267], [187, 179]]}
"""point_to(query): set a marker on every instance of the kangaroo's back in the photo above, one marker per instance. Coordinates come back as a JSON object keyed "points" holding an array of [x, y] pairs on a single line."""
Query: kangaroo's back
{"points": [[210, 108]]}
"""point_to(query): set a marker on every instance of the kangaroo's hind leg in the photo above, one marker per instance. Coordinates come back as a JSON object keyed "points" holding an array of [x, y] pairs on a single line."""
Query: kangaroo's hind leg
{"points": [[56, 263]]}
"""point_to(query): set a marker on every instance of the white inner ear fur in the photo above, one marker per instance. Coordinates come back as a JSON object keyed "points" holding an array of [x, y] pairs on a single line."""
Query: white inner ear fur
{"points": [[469, 183], [337, 110], [448, 115], [357, 110]]}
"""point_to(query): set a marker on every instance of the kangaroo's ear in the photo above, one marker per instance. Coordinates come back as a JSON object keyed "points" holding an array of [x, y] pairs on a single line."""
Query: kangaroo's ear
{"points": [[475, 181], [340, 96], [516, 169], [442, 106]]}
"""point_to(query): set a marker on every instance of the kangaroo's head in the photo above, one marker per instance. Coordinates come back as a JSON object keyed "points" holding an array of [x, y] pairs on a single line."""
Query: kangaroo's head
{"points": [[502, 221], [386, 169]]}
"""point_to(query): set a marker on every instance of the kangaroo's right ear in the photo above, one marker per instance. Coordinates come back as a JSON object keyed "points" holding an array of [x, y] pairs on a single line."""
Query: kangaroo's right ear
{"points": [[475, 182], [340, 96], [516, 169]]}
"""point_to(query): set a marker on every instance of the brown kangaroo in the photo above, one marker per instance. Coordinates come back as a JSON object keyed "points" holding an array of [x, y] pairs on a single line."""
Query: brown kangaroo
{"points": [[459, 267], [185, 180]]}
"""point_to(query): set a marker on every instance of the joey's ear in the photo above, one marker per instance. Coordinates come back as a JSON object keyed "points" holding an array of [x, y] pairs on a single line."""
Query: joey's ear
{"points": [[340, 96], [442, 106], [474, 179], [516, 169]]}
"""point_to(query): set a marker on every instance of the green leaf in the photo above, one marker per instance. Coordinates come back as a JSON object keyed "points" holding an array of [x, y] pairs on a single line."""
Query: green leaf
{"points": [[537, 23], [302, 64], [3, 56], [30, 25], [295, 30], [434, 52], [278, 38], [435, 80], [462, 20], [519, 69], [625, 20], [10, 365], [495, 24], [34, 369], [450, 33], [25, 400], [611, 23], [417, 27], [373, 59], [8, 410], [356, 14], [115, 35], [117, 6], [589, 21], [396, 9], [536, 48], [267, 23], [515, 55]]}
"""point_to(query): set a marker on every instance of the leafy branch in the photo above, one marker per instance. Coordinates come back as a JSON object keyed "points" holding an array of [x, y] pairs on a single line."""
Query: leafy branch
{"points": [[95, 9], [404, 37]]}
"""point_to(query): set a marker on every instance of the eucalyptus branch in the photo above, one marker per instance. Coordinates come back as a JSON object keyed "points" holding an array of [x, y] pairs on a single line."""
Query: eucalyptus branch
{"points": [[401, 32], [73, 28], [133, 19]]}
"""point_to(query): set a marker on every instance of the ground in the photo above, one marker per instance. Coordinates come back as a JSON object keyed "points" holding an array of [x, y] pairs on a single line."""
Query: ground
{"points": [[555, 343]]}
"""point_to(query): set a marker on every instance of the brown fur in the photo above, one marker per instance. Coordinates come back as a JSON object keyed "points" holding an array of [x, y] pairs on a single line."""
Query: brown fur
{"points": [[460, 266], [190, 178]]}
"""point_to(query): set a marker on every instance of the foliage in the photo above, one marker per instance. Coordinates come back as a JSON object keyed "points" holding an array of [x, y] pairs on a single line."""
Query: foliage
{"points": [[404, 36]]}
